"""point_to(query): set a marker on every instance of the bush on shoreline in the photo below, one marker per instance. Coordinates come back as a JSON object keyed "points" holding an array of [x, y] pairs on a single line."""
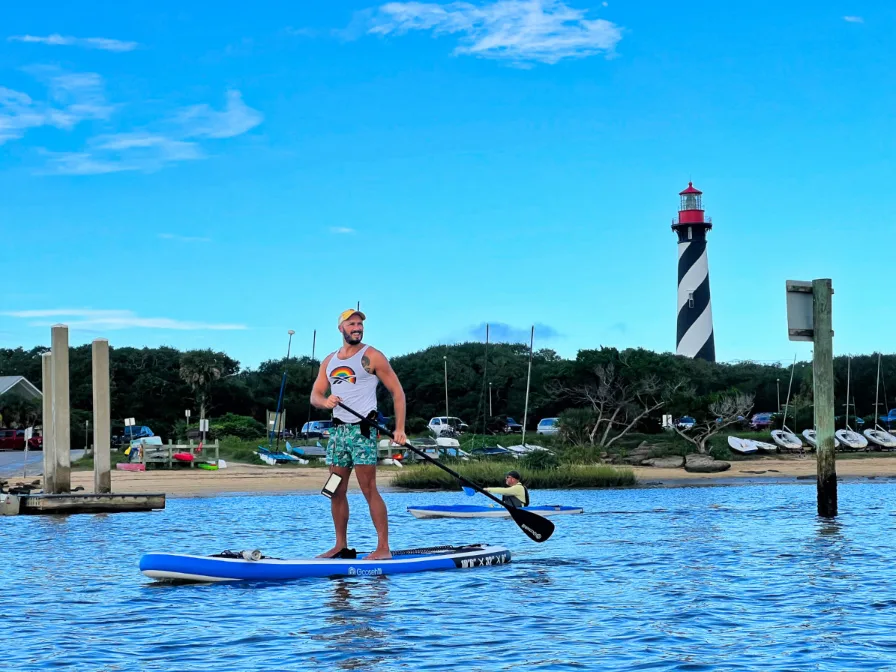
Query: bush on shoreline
{"points": [[486, 474]]}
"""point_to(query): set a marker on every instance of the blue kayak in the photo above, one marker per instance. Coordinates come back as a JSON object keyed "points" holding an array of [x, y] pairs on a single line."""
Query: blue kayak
{"points": [[493, 511], [253, 566]]}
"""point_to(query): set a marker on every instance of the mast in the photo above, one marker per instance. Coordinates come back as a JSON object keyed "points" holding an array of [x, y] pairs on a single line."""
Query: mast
{"points": [[528, 378], [313, 346]]}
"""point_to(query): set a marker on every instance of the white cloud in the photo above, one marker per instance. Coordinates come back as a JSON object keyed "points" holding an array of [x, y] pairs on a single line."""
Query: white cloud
{"points": [[124, 152], [341, 229], [117, 319], [854, 19], [184, 239], [103, 43], [72, 98], [151, 151], [201, 121], [545, 31]]}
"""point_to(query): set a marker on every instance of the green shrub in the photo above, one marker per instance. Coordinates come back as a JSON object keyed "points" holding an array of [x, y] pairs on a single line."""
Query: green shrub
{"points": [[489, 474], [241, 426], [575, 425], [414, 425], [581, 455], [539, 459]]}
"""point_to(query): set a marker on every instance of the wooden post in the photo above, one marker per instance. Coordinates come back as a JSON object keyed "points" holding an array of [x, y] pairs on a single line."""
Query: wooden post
{"points": [[102, 418], [47, 426], [61, 410], [823, 381]]}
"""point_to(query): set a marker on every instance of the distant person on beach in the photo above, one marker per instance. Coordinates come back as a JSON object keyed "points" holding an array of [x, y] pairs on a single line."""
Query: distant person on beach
{"points": [[351, 375], [515, 494]]}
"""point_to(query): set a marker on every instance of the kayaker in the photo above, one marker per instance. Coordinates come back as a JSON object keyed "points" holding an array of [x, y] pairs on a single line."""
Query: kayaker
{"points": [[515, 494], [351, 375]]}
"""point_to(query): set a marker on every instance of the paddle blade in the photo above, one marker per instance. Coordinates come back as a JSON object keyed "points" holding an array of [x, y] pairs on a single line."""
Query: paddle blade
{"points": [[469, 492], [536, 527]]}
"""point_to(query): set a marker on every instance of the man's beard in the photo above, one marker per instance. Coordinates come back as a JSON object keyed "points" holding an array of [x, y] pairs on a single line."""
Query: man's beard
{"points": [[352, 339]]}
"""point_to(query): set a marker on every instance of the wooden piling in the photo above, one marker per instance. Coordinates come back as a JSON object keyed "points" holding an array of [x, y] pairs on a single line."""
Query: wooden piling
{"points": [[823, 381], [47, 424], [61, 410], [102, 465]]}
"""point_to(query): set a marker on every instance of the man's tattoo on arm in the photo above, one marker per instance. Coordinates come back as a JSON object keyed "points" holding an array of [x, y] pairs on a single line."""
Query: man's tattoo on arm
{"points": [[365, 362]]}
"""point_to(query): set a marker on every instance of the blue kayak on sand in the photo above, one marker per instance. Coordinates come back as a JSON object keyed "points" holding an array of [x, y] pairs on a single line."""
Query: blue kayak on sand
{"points": [[237, 565], [494, 511]]}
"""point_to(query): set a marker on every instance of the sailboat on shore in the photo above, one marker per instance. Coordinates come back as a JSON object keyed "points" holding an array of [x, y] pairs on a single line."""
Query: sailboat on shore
{"points": [[878, 435]]}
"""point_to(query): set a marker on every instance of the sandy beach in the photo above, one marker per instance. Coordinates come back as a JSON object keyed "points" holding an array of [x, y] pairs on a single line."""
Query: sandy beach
{"points": [[245, 478]]}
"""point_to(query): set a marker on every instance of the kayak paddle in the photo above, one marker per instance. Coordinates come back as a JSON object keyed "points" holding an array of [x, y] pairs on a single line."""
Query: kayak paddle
{"points": [[536, 528]]}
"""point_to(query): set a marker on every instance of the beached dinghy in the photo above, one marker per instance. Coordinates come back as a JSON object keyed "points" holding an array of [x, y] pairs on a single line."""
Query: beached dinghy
{"points": [[811, 437], [851, 439], [742, 446], [764, 447], [471, 511], [253, 566], [786, 440], [881, 438]]}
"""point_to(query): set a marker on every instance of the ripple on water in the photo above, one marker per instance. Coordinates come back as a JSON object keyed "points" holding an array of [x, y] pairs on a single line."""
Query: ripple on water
{"points": [[740, 578]]}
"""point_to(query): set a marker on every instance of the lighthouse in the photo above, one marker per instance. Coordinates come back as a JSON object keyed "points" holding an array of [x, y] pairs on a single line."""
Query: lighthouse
{"points": [[695, 335]]}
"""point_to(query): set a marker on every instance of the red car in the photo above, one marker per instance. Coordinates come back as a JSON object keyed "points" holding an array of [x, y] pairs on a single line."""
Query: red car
{"points": [[14, 439]]}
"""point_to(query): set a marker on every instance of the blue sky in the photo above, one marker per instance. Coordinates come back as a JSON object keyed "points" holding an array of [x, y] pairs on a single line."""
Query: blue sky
{"points": [[216, 175]]}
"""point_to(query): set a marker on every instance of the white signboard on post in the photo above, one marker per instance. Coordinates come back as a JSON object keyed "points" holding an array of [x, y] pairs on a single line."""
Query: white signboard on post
{"points": [[203, 425], [800, 320]]}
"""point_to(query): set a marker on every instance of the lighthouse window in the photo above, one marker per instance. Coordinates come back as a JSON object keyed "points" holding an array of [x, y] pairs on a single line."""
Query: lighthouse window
{"points": [[690, 233], [690, 299]]}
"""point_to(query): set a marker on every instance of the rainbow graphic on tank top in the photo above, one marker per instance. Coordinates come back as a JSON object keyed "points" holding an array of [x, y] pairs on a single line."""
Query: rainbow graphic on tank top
{"points": [[343, 374]]}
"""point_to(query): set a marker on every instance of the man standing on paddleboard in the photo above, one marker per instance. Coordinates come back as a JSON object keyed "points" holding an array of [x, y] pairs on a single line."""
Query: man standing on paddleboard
{"points": [[352, 374]]}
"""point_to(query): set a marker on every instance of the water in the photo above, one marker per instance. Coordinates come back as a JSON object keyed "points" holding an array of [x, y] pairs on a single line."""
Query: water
{"points": [[708, 578]]}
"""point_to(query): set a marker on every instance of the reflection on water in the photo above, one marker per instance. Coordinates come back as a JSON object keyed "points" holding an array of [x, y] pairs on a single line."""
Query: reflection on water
{"points": [[661, 579], [355, 610]]}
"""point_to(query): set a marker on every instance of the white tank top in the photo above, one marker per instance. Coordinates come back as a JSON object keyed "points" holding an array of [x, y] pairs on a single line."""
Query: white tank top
{"points": [[350, 382]]}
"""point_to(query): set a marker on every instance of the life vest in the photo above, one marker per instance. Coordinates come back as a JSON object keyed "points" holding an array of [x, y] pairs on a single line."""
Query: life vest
{"points": [[514, 501]]}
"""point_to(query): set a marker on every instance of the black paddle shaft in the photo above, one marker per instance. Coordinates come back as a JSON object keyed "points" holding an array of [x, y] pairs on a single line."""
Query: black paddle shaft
{"points": [[536, 527]]}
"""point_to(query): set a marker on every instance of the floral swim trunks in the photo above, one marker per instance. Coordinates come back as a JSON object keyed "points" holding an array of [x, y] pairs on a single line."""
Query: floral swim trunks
{"points": [[348, 447]]}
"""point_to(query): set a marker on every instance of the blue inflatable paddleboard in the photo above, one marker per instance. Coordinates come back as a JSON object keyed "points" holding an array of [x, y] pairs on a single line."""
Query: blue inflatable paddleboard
{"points": [[253, 566]]}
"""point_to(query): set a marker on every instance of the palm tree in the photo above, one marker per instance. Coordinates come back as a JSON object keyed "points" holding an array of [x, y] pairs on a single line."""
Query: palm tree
{"points": [[199, 369]]}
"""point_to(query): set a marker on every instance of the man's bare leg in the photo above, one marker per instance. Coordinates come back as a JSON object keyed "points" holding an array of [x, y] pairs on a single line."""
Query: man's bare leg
{"points": [[339, 509], [367, 480]]}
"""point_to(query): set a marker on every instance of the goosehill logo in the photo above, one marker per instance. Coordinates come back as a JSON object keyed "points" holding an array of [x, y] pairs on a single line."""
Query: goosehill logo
{"points": [[360, 571], [531, 531]]}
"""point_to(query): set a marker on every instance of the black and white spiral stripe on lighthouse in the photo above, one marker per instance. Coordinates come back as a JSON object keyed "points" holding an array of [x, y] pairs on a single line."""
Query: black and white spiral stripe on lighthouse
{"points": [[695, 336]]}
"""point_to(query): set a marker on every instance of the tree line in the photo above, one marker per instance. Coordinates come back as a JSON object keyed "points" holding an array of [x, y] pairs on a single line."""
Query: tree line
{"points": [[613, 388]]}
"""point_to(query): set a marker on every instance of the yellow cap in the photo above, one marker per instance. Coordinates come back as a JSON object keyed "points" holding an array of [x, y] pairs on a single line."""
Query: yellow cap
{"points": [[345, 314]]}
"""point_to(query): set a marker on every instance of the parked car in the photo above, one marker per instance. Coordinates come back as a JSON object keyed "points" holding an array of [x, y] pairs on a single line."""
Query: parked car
{"points": [[889, 420], [136, 432], [36, 442], [447, 425], [761, 421], [548, 426], [10, 439], [685, 422], [504, 424], [316, 429]]}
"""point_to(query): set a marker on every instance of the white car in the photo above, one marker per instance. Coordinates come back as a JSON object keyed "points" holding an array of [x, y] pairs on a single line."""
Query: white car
{"points": [[548, 426], [447, 425]]}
